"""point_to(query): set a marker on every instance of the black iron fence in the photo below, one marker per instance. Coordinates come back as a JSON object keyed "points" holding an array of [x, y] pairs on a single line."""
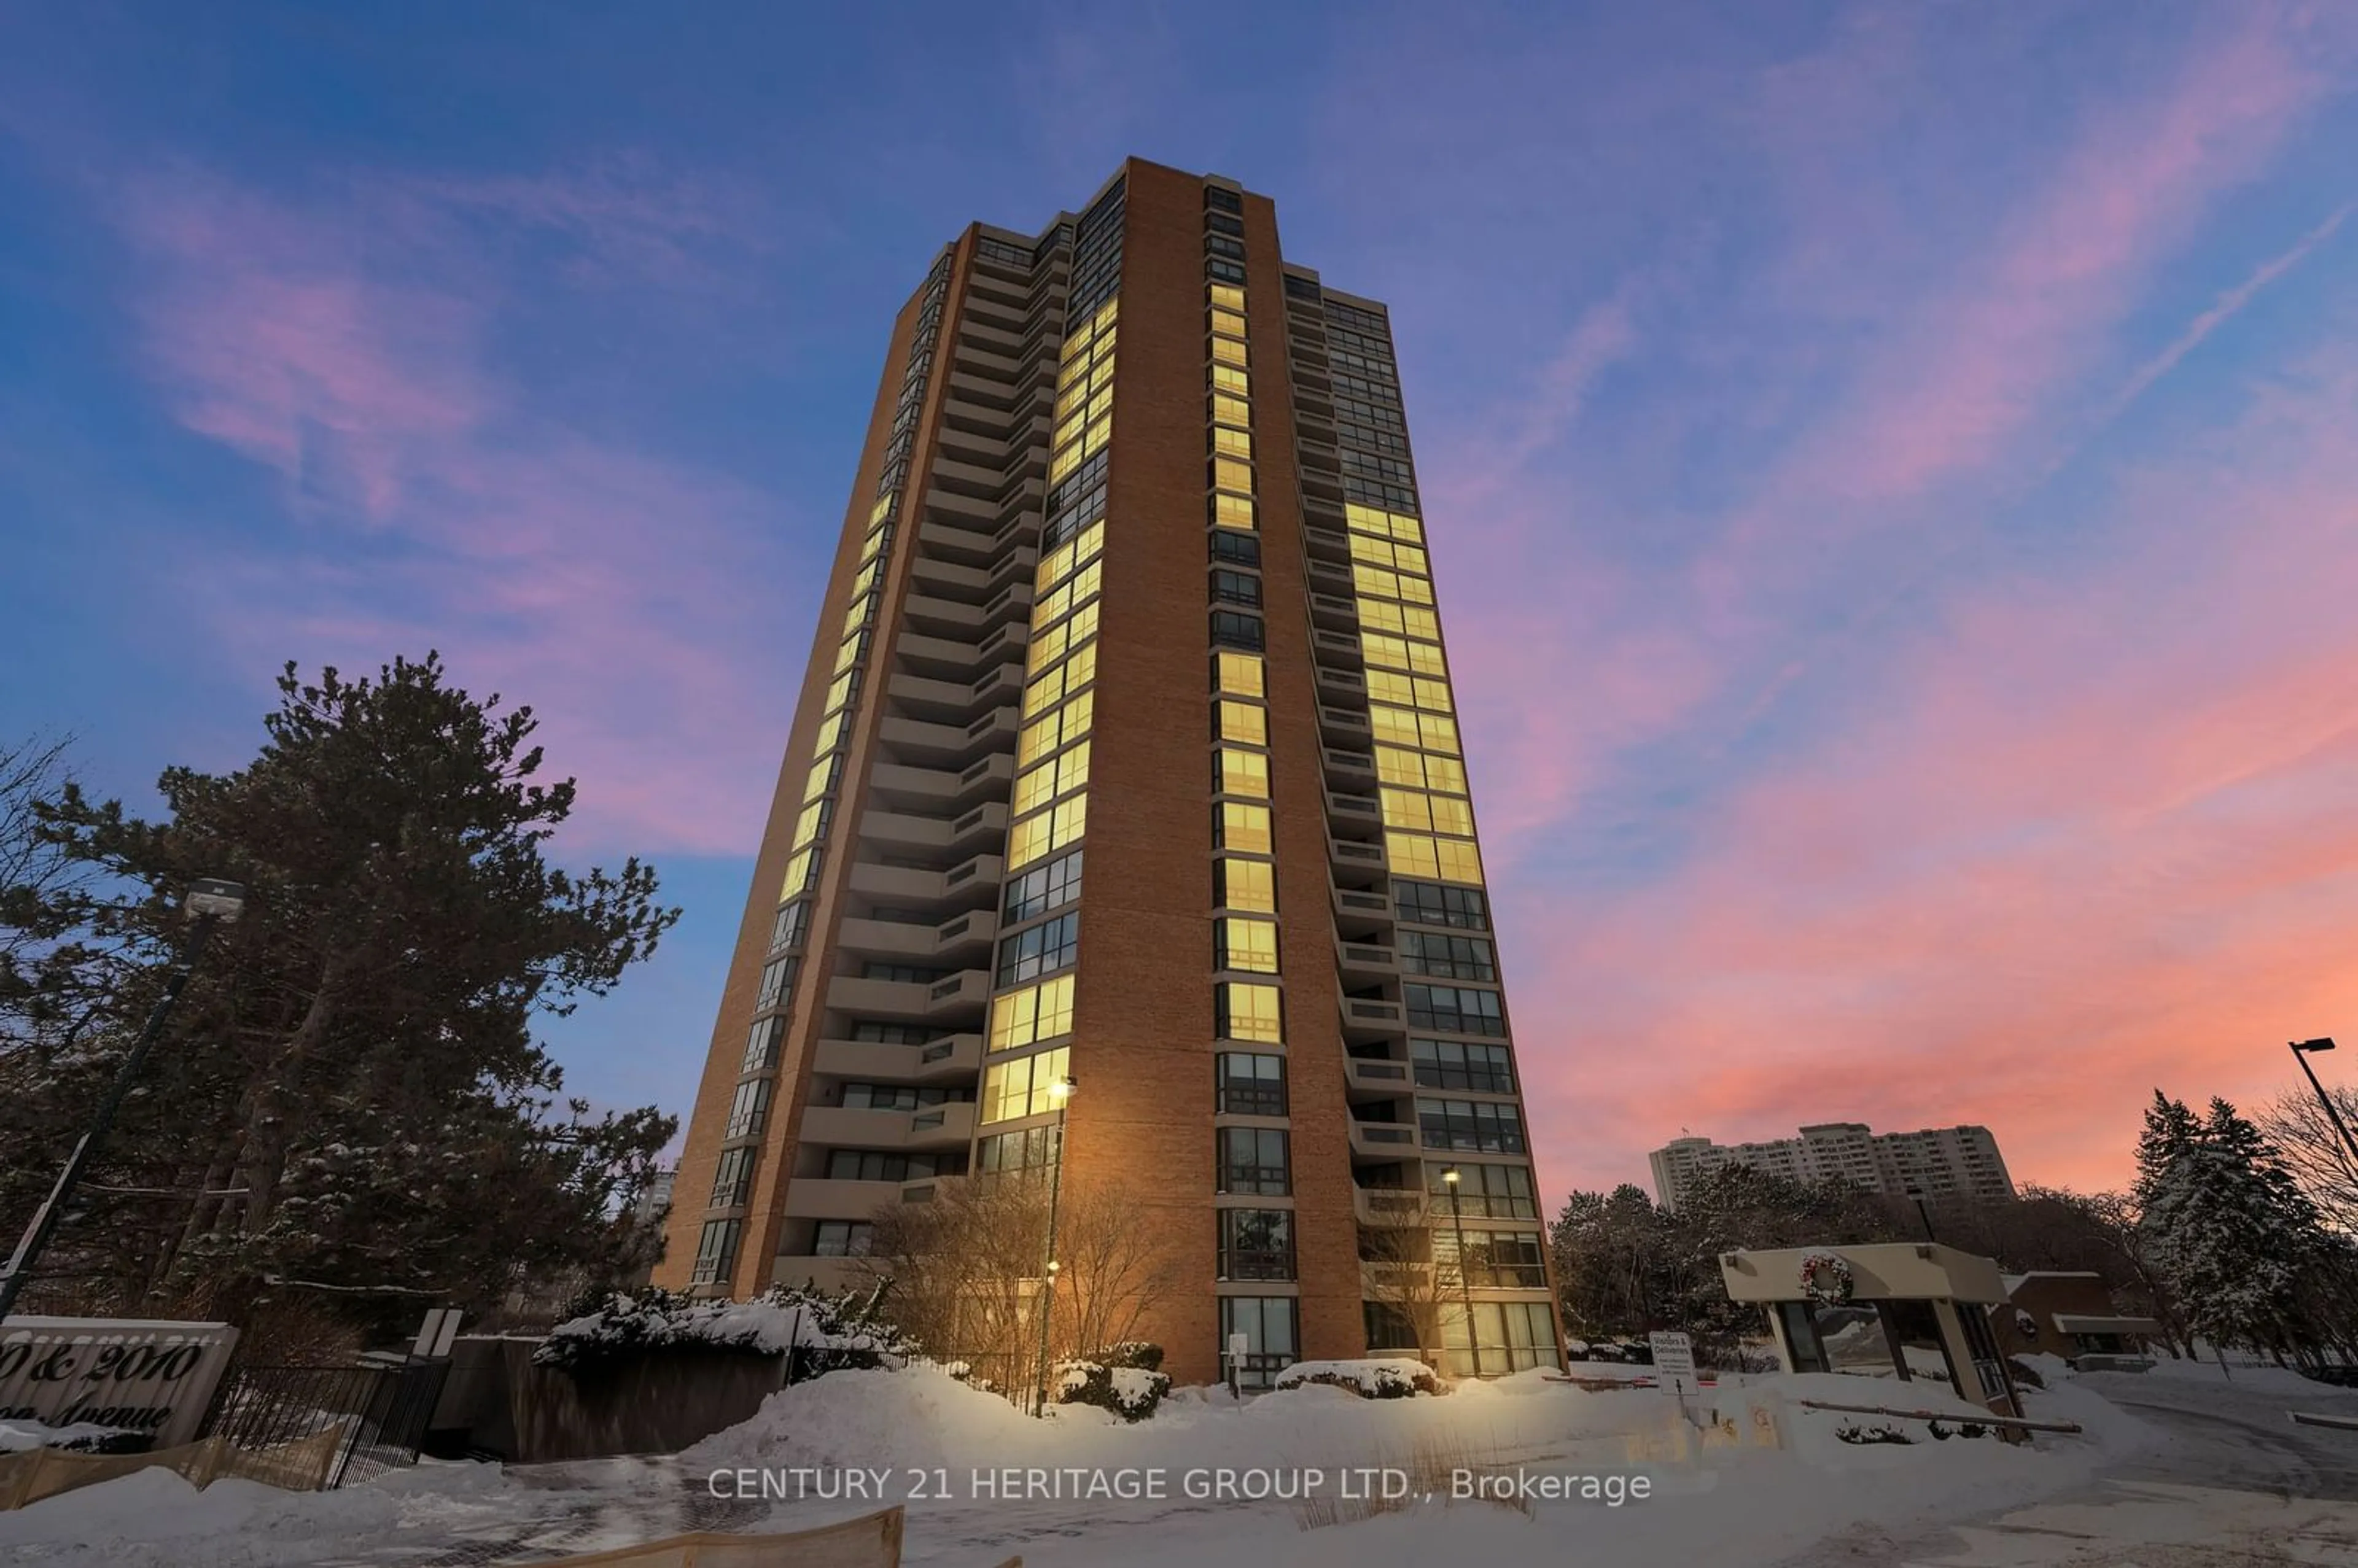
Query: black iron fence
{"points": [[379, 1408]]}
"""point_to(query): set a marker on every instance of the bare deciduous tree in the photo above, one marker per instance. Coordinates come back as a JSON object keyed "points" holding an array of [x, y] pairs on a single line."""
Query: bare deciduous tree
{"points": [[962, 1273], [2310, 1147], [1411, 1277]]}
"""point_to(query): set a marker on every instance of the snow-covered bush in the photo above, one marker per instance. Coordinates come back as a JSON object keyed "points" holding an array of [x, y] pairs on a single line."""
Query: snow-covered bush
{"points": [[1377, 1377], [1143, 1354], [1131, 1392], [821, 1333]]}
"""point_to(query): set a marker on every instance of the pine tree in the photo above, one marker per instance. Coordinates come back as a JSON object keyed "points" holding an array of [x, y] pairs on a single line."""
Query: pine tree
{"points": [[351, 1094], [2225, 1223]]}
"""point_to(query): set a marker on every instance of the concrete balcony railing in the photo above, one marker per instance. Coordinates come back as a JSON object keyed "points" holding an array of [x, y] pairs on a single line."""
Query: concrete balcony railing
{"points": [[933, 1127], [1356, 904], [1366, 960], [914, 999], [811, 1197], [950, 1058], [1384, 1077], [1388, 1205], [1384, 1139]]}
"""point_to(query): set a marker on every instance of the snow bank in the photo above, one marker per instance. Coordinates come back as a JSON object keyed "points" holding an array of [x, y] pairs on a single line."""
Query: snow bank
{"points": [[18, 1435]]}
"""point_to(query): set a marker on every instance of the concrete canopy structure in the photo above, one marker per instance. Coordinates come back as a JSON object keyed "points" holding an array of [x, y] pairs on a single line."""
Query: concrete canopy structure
{"points": [[1918, 1295], [1134, 572]]}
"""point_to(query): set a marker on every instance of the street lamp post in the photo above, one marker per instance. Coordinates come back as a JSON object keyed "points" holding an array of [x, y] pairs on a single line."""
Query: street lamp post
{"points": [[1917, 1194], [1449, 1177], [209, 902], [1061, 1091], [2301, 1052]]}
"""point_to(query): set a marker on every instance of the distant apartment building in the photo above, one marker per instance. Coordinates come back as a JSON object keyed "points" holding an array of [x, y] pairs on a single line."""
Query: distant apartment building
{"points": [[1939, 1161]]}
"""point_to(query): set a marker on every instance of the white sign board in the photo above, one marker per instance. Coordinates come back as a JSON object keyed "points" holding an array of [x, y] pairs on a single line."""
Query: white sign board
{"points": [[154, 1378], [1238, 1347], [1675, 1369]]}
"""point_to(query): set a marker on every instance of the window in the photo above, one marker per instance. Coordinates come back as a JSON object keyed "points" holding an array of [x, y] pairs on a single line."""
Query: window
{"points": [[1256, 1243], [1045, 888], [716, 1251], [1231, 629], [733, 1178], [1247, 944], [777, 980], [1250, 1083], [874, 1165], [1243, 549], [1514, 1337], [1455, 1065], [1225, 270], [1484, 1191], [749, 1109], [1240, 721], [1475, 1127], [1456, 1010], [1059, 775], [1221, 244], [1244, 885], [1253, 1161], [1242, 826], [1239, 772], [1232, 443], [1024, 1086], [1450, 958], [1494, 1259], [1033, 1149], [1247, 1011], [1271, 1326], [1237, 674], [1232, 511], [842, 1238], [1236, 588], [1034, 1013], [791, 926], [1047, 830], [1043, 949], [1428, 903], [1222, 223], [764, 1046]]}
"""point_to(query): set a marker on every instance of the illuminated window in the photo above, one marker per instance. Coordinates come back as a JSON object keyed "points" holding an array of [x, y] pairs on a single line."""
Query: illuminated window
{"points": [[1231, 378], [1393, 726], [812, 824], [1407, 809], [1228, 410], [881, 510], [845, 687], [1025, 1087], [1237, 674], [1411, 854], [1440, 734], [1067, 772], [1248, 1012], [1227, 322], [1247, 944], [1447, 775], [1385, 686], [1245, 884], [1232, 511], [858, 615], [1234, 443], [1050, 830], [1228, 296], [802, 871], [831, 733], [1240, 721], [1433, 695], [1395, 766], [1457, 860], [1229, 352], [1240, 824], [1240, 772], [1229, 474], [1051, 731], [1453, 815], [824, 776], [1021, 1017], [1061, 682]]}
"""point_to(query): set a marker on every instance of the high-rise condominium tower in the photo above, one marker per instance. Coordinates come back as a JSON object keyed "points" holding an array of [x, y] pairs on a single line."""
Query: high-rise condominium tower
{"points": [[1127, 757]]}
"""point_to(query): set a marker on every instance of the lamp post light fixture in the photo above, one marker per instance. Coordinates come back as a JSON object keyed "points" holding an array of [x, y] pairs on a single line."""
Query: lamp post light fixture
{"points": [[1060, 1092], [1916, 1194], [209, 902], [1450, 1175], [2302, 1050]]}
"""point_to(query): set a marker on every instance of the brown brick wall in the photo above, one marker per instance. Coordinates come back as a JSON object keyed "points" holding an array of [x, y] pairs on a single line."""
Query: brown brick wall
{"points": [[734, 1020]]}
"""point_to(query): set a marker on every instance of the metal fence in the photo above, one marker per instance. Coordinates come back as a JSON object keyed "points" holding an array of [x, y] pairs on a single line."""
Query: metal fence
{"points": [[381, 1406]]}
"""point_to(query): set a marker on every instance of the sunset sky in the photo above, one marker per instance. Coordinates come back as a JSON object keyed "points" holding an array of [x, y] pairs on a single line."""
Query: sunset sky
{"points": [[1892, 470]]}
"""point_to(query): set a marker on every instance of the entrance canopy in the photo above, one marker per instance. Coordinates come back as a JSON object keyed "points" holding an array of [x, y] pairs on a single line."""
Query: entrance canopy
{"points": [[1883, 1271]]}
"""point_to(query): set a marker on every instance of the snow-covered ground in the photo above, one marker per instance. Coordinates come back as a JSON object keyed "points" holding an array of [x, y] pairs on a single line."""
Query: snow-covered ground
{"points": [[1277, 1479]]}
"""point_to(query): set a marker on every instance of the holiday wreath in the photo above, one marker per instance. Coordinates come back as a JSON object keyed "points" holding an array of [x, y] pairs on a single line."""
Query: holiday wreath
{"points": [[1826, 1279]]}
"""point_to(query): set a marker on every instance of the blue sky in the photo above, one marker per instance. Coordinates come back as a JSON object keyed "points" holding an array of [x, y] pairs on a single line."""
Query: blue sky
{"points": [[1891, 468]]}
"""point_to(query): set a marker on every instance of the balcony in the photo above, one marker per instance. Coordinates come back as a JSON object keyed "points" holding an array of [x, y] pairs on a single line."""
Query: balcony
{"points": [[1344, 727], [1388, 1205], [917, 1000], [1356, 907], [934, 1127], [1375, 1139], [936, 701], [1356, 859], [973, 885], [1347, 771], [1389, 1078], [1366, 962], [1340, 649], [812, 1197], [1333, 613], [950, 1058]]}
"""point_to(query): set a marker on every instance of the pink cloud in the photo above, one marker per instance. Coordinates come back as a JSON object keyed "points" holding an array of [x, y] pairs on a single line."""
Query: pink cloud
{"points": [[2095, 838], [347, 347]]}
